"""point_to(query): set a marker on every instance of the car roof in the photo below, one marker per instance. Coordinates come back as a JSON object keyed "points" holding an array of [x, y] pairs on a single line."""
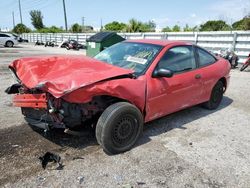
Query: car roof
{"points": [[161, 42], [6, 33]]}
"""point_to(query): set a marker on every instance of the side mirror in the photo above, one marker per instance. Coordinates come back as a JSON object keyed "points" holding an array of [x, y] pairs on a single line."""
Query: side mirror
{"points": [[158, 73]]}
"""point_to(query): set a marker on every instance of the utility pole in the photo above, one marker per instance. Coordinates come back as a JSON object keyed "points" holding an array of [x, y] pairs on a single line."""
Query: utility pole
{"points": [[13, 17], [20, 11], [101, 26], [83, 24], [65, 16]]}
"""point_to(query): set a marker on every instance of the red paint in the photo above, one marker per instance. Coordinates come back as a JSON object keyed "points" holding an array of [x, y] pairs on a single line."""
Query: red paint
{"points": [[79, 79], [30, 100], [63, 74]]}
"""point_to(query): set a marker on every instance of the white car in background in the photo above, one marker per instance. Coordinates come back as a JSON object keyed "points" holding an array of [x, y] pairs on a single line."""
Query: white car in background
{"points": [[8, 40]]}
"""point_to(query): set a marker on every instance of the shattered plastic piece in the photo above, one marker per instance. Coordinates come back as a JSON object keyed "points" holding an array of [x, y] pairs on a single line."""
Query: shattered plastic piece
{"points": [[80, 179], [140, 183], [15, 146], [51, 157], [76, 158], [127, 186], [41, 179], [118, 178]]}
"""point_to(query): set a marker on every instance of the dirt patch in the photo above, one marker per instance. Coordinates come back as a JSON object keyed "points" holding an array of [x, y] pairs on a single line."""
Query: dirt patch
{"points": [[21, 146]]}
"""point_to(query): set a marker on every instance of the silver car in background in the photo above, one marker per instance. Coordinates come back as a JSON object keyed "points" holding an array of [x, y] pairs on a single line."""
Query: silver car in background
{"points": [[8, 40]]}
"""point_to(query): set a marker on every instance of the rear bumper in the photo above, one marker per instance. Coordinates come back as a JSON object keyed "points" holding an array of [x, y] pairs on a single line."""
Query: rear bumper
{"points": [[30, 100]]}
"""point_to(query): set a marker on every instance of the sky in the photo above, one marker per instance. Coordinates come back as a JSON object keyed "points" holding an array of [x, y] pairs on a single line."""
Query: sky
{"points": [[162, 12]]}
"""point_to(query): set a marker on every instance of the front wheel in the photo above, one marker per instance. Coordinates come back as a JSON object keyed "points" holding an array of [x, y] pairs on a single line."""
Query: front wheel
{"points": [[215, 97], [244, 66], [119, 127]]}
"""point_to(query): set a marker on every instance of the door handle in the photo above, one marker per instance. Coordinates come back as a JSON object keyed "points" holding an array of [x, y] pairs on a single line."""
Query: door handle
{"points": [[197, 76]]}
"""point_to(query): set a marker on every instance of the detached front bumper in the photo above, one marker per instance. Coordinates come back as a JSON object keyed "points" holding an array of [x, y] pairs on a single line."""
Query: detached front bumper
{"points": [[36, 109], [30, 101]]}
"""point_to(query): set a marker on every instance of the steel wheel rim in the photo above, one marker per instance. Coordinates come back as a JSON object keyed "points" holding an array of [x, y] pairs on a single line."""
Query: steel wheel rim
{"points": [[124, 131]]}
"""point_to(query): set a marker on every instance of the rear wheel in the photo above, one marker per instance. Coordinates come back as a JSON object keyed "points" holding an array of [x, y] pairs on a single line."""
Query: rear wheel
{"points": [[119, 127], [216, 96], [9, 44], [244, 66]]}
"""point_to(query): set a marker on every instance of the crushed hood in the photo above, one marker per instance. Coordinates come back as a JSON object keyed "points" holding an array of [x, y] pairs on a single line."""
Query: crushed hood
{"points": [[60, 75]]}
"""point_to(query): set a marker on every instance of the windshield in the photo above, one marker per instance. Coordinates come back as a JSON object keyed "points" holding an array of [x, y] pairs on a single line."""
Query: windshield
{"points": [[128, 55]]}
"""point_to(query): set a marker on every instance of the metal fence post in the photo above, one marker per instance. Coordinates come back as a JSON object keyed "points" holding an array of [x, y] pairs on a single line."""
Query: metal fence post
{"points": [[196, 37], [234, 41]]}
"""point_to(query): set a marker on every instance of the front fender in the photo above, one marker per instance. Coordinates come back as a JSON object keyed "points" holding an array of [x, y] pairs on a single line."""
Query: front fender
{"points": [[132, 90]]}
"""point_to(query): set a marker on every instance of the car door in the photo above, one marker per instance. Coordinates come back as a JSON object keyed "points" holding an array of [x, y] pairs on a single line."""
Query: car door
{"points": [[208, 71], [183, 89], [2, 39]]}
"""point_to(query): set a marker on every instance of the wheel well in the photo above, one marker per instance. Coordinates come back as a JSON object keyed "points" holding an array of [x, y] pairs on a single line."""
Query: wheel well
{"points": [[9, 41], [224, 81]]}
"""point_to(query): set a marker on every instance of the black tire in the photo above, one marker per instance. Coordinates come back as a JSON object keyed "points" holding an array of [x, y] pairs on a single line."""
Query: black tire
{"points": [[67, 48], [215, 97], [9, 44], [244, 66], [119, 127]]}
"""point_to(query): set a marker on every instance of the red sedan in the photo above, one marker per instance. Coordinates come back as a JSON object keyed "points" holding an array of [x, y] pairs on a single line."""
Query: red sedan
{"points": [[118, 90]]}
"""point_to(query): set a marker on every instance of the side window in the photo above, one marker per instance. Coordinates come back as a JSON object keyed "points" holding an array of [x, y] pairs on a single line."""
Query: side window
{"points": [[178, 59], [3, 35], [205, 58]]}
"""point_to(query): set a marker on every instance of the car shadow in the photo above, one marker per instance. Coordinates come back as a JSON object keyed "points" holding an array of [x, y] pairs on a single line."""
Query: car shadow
{"points": [[176, 120], [14, 47]]}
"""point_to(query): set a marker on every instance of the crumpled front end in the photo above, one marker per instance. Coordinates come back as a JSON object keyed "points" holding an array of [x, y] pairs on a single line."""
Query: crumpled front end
{"points": [[72, 91]]}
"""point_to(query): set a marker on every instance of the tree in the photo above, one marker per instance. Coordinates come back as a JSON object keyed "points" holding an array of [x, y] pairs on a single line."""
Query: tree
{"points": [[37, 19], [115, 26], [176, 28], [215, 25], [52, 29], [21, 28], [133, 26], [76, 28], [166, 29], [243, 24], [147, 26], [187, 28]]}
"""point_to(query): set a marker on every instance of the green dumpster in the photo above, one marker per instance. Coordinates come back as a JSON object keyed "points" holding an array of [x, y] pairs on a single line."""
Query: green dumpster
{"points": [[100, 41]]}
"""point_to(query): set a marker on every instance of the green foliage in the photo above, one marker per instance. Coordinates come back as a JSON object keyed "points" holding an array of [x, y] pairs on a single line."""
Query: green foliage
{"points": [[21, 28], [76, 28], [133, 26], [138, 26], [187, 28], [37, 19], [243, 24], [115, 26], [147, 26], [215, 25], [52, 29], [176, 28], [167, 29]]}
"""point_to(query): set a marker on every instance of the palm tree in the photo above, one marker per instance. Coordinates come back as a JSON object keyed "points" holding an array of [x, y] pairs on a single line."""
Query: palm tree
{"points": [[133, 26]]}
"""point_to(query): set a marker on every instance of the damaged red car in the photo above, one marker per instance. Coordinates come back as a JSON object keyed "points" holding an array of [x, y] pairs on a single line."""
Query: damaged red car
{"points": [[120, 89]]}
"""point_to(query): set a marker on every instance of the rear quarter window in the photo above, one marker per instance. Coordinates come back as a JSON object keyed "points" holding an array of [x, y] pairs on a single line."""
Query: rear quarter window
{"points": [[205, 58]]}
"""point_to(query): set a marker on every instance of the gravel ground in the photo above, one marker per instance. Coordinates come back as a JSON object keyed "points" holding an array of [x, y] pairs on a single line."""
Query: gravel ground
{"points": [[191, 148]]}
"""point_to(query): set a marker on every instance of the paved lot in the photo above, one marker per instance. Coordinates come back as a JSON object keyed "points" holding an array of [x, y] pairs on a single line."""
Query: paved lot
{"points": [[191, 148]]}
